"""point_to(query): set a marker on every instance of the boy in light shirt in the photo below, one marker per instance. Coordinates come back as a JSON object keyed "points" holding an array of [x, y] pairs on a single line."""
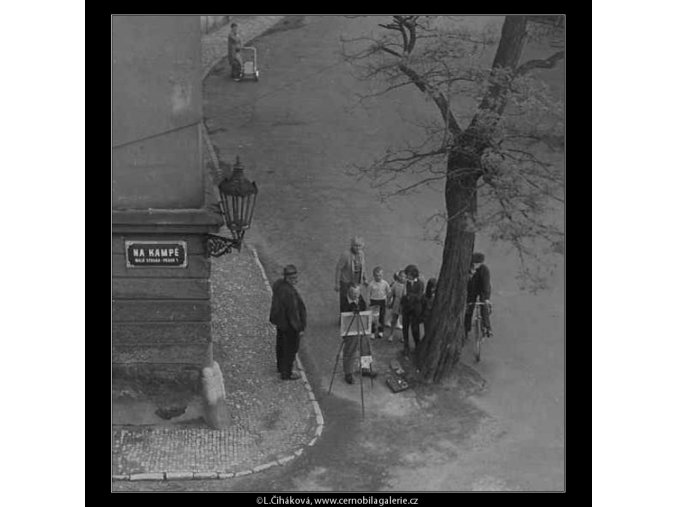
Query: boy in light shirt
{"points": [[378, 292]]}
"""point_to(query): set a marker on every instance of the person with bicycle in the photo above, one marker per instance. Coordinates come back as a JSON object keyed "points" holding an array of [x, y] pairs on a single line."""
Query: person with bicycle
{"points": [[479, 286]]}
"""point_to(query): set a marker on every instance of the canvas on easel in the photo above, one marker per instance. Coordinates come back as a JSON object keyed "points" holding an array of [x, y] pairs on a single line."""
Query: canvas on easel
{"points": [[351, 326], [356, 324]]}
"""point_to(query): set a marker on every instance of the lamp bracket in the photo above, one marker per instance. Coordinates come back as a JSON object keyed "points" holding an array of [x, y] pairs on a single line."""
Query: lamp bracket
{"points": [[216, 246]]}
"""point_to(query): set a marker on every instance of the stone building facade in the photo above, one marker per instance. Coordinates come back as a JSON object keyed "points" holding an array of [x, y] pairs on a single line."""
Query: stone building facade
{"points": [[161, 308]]}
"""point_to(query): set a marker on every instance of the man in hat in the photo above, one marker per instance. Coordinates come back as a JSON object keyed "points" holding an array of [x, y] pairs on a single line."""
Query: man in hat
{"points": [[479, 286], [288, 314]]}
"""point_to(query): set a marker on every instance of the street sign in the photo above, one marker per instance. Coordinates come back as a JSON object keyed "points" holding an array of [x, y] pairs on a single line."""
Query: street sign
{"points": [[156, 254]]}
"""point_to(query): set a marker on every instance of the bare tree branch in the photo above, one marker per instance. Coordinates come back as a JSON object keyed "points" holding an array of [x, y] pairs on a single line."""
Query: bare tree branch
{"points": [[439, 98], [403, 25], [528, 156], [546, 192], [491, 153], [406, 189], [399, 26], [362, 98], [418, 156], [556, 21], [547, 63], [552, 142], [388, 50], [410, 23]]}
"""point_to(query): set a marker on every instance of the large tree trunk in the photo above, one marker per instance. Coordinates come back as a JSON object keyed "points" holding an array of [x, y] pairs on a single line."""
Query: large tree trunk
{"points": [[440, 350]]}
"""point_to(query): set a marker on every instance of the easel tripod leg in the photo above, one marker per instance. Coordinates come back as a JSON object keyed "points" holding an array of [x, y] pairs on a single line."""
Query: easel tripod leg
{"points": [[338, 354], [335, 365], [362, 386], [361, 337], [371, 353]]}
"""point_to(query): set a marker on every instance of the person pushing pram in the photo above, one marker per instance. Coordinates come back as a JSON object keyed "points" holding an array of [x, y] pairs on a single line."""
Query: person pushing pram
{"points": [[242, 59], [235, 52]]}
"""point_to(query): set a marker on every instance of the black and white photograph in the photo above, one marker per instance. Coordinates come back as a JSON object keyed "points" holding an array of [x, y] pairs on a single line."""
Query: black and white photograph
{"points": [[338, 254]]}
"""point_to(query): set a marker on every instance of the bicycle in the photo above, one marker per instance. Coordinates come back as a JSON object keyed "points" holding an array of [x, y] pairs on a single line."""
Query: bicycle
{"points": [[477, 327]]}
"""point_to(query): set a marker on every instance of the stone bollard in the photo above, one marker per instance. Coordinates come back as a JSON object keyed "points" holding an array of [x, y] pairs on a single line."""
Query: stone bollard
{"points": [[214, 394]]}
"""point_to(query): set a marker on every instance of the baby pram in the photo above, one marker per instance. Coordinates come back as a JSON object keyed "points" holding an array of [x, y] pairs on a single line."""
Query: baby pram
{"points": [[249, 70]]}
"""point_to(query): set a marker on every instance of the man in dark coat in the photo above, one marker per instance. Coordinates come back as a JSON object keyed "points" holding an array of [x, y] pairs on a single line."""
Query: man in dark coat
{"points": [[288, 314], [479, 286]]}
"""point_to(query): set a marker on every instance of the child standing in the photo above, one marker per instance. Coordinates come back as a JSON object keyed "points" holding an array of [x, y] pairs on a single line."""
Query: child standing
{"points": [[378, 292], [397, 291]]}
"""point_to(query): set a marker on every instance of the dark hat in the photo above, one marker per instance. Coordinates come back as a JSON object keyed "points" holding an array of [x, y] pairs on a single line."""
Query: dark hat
{"points": [[478, 257], [289, 269]]}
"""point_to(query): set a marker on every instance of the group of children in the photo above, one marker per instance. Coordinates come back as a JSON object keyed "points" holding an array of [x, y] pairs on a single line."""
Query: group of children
{"points": [[404, 298]]}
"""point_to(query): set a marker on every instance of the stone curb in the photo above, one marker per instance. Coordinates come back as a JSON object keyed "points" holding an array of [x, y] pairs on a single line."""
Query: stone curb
{"points": [[178, 476], [158, 476]]}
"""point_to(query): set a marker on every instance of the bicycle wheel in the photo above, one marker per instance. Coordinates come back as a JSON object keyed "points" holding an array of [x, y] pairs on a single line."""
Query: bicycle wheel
{"points": [[478, 339]]}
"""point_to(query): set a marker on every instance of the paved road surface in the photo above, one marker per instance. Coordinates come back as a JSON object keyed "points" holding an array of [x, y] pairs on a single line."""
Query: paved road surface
{"points": [[297, 130]]}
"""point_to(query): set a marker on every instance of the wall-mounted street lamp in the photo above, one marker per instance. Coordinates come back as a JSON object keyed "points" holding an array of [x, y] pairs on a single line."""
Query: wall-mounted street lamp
{"points": [[236, 204]]}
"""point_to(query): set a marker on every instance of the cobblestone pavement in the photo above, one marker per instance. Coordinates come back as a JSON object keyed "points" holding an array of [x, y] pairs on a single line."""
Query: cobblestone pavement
{"points": [[272, 420]]}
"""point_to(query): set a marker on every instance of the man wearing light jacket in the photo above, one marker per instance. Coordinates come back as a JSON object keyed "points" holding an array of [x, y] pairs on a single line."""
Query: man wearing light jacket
{"points": [[351, 268]]}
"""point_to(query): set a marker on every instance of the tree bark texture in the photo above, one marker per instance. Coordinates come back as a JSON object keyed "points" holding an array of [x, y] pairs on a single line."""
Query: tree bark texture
{"points": [[441, 347]]}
